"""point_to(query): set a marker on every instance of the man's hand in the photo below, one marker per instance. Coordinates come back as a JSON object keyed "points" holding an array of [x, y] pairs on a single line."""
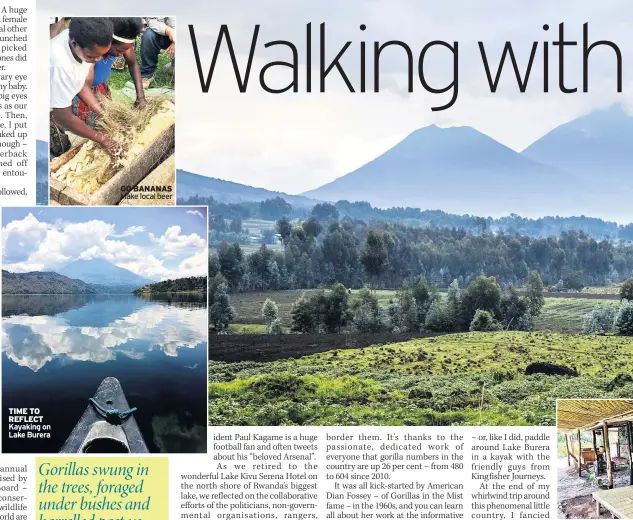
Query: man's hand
{"points": [[140, 102], [171, 50]]}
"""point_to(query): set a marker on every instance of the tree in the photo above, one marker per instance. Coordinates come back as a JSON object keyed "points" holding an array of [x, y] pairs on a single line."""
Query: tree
{"points": [[324, 212], [274, 327], [231, 260], [374, 257], [482, 293], [236, 225], [301, 316], [312, 227], [336, 308], [624, 320], [512, 309], [483, 321], [422, 295], [626, 291], [274, 209], [221, 313], [270, 311], [440, 317], [404, 313], [284, 229], [366, 312], [534, 290]]}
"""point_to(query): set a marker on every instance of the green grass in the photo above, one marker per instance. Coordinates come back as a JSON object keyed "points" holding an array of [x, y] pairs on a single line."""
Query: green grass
{"points": [[432, 381], [257, 226], [567, 314]]}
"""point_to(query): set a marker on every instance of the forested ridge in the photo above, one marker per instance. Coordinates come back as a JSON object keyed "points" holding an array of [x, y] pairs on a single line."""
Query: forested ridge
{"points": [[273, 209], [189, 284], [318, 254]]}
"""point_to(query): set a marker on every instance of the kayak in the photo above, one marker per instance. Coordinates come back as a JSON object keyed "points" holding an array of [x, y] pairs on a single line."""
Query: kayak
{"points": [[107, 425]]}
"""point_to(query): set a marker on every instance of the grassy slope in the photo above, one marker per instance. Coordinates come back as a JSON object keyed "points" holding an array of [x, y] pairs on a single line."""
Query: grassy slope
{"points": [[421, 382], [567, 314]]}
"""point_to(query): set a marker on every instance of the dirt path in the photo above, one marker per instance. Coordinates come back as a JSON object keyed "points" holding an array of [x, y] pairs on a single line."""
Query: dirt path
{"points": [[574, 493]]}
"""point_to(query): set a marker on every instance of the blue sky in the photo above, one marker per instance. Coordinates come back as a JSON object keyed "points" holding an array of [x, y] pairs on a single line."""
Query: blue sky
{"points": [[158, 243]]}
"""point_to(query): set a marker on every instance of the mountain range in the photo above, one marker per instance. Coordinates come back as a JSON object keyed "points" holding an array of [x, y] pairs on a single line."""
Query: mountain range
{"points": [[43, 283], [195, 185], [79, 277], [98, 271], [579, 168]]}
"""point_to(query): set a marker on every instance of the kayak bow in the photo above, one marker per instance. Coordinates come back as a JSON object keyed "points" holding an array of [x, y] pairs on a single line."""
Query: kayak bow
{"points": [[107, 425]]}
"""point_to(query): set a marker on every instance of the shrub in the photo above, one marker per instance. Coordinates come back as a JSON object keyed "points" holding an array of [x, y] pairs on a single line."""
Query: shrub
{"points": [[624, 320], [270, 312], [626, 291], [599, 321], [441, 317], [525, 323], [483, 322], [274, 327]]}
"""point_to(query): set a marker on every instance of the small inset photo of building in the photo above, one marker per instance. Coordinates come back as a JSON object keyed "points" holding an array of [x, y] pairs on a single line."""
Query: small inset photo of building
{"points": [[595, 468]]}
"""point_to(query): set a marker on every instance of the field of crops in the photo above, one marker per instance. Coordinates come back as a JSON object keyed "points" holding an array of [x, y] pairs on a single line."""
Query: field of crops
{"points": [[567, 314], [460, 379], [248, 306]]}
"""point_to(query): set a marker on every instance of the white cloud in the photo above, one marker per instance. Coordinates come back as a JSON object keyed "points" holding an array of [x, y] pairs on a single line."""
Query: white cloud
{"points": [[195, 212], [31, 245], [131, 231], [172, 243]]}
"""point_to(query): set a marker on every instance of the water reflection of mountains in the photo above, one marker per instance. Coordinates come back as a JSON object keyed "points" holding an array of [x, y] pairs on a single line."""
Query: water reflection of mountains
{"points": [[98, 329], [51, 304]]}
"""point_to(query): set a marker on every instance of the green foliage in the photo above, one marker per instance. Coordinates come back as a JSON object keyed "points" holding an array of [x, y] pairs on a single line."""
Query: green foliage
{"points": [[624, 320], [441, 316], [512, 309], [404, 312], [274, 209], [324, 212], [432, 381], [482, 293], [483, 321], [284, 228], [626, 290], [366, 315], [375, 256], [534, 290], [270, 312], [236, 225], [274, 327], [599, 321], [312, 227], [221, 313], [190, 284], [302, 318]]}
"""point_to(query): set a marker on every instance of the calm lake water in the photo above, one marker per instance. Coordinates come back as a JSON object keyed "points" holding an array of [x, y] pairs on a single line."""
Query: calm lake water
{"points": [[56, 350]]}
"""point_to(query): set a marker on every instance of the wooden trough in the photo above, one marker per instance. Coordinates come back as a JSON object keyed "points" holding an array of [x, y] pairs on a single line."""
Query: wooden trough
{"points": [[123, 181]]}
